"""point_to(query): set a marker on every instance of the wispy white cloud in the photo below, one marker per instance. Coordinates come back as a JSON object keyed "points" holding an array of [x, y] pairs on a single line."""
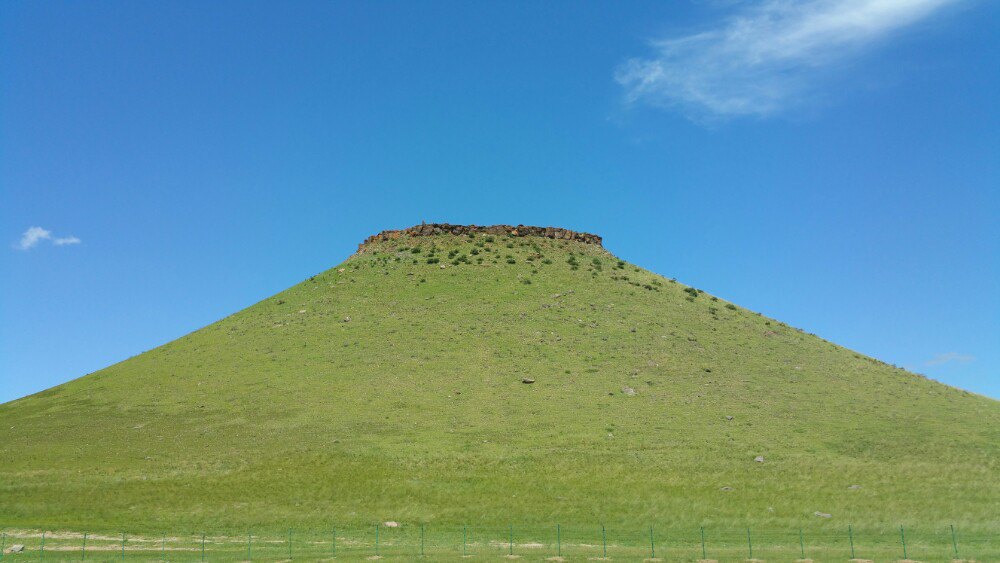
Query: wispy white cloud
{"points": [[36, 235], [949, 357], [32, 237], [765, 59]]}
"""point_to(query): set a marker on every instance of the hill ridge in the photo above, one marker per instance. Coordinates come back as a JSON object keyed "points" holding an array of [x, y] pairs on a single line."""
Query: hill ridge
{"points": [[431, 229]]}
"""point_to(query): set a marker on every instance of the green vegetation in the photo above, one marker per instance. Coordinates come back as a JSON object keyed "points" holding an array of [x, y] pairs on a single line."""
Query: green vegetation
{"points": [[387, 389]]}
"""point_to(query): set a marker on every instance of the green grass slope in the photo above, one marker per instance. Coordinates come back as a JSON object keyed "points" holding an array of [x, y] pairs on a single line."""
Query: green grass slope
{"points": [[390, 387]]}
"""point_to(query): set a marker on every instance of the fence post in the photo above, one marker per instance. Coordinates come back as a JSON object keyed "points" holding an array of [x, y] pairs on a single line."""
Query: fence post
{"points": [[704, 554], [954, 540], [604, 540], [902, 538], [289, 543], [249, 555], [203, 546], [558, 541], [335, 542], [652, 546], [802, 544], [421, 540], [123, 546], [83, 550], [163, 547], [850, 535], [3, 543], [41, 552], [376, 540], [510, 539], [749, 543]]}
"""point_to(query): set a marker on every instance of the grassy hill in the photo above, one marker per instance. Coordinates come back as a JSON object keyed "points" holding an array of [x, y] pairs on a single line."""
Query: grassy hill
{"points": [[391, 387]]}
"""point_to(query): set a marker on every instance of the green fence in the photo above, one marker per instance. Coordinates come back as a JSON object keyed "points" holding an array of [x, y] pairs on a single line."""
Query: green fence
{"points": [[536, 543]]}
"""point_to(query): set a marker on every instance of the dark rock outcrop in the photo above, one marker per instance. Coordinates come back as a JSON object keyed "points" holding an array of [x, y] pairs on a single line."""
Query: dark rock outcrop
{"points": [[430, 229]]}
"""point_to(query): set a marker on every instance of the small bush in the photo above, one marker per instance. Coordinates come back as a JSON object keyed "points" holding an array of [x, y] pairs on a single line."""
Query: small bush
{"points": [[433, 260], [691, 291], [730, 306]]}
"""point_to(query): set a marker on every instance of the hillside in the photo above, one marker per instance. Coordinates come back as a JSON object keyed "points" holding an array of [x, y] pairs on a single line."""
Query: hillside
{"points": [[392, 387]]}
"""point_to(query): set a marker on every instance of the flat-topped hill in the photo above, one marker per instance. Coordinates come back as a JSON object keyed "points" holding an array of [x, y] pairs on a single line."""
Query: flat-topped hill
{"points": [[393, 387]]}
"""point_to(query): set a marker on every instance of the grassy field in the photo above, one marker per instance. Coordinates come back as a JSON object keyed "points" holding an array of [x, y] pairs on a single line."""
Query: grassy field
{"points": [[390, 388], [433, 543]]}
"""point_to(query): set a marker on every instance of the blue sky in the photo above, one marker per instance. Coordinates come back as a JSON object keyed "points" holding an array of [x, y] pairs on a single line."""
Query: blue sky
{"points": [[830, 163]]}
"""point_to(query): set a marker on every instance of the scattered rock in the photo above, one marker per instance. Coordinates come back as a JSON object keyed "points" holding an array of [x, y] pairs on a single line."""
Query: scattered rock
{"points": [[854, 487], [390, 524], [347, 319], [631, 329], [429, 229], [342, 270], [729, 417], [628, 391], [726, 489], [443, 266], [527, 380], [823, 514], [16, 548], [302, 311], [759, 459]]}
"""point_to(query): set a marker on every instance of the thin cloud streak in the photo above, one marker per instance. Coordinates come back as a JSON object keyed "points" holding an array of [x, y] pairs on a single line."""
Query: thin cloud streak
{"points": [[36, 235], [949, 357], [766, 59]]}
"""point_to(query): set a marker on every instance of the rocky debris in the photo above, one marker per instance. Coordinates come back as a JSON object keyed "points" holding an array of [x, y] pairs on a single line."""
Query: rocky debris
{"points": [[390, 524], [528, 380], [430, 229], [759, 459], [628, 391], [854, 487], [16, 548], [823, 514], [302, 311], [726, 489], [347, 319], [729, 417]]}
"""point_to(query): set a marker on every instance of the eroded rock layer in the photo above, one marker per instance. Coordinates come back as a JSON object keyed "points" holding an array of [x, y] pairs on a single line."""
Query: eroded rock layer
{"points": [[430, 229]]}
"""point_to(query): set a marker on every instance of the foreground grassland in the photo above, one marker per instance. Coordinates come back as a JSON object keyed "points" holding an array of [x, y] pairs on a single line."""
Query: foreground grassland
{"points": [[431, 543], [390, 388]]}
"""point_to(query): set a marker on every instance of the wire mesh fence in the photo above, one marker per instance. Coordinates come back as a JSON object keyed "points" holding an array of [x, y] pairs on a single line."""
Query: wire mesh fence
{"points": [[556, 542]]}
